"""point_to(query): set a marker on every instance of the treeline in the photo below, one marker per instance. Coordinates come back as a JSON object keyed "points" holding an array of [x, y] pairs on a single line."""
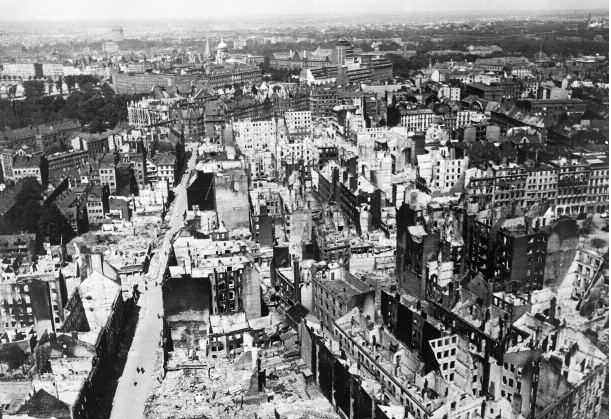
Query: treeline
{"points": [[97, 107]]}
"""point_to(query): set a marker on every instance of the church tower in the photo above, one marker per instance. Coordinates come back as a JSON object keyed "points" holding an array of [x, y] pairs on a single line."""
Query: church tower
{"points": [[221, 52]]}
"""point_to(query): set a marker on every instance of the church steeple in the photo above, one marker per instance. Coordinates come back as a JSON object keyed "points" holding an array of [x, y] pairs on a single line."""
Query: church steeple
{"points": [[207, 49]]}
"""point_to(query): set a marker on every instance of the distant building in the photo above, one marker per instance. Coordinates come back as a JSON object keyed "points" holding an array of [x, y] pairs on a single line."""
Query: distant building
{"points": [[58, 166], [222, 266], [52, 70], [26, 166], [32, 301], [165, 167], [221, 75], [449, 92], [510, 253], [116, 34], [95, 206], [107, 172], [18, 245], [23, 71], [137, 162], [336, 292], [440, 169], [149, 112], [417, 120], [331, 238], [6, 165], [416, 245], [110, 47]]}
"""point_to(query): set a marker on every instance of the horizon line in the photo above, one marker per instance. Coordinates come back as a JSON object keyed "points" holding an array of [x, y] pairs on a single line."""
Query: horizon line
{"points": [[328, 14]]}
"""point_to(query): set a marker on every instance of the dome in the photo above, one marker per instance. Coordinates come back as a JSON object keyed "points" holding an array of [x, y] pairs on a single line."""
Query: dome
{"points": [[221, 45]]}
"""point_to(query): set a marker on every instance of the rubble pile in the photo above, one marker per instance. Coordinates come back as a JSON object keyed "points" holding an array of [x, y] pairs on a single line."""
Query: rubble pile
{"points": [[229, 387]]}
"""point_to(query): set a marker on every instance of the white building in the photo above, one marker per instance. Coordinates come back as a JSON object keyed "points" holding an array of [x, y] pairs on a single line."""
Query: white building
{"points": [[53, 70], [25, 167], [417, 120], [439, 169], [260, 142], [298, 121], [149, 112], [464, 118], [452, 93], [19, 70]]}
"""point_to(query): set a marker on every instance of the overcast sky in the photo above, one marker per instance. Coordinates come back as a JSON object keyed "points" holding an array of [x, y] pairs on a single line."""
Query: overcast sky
{"points": [[153, 9]]}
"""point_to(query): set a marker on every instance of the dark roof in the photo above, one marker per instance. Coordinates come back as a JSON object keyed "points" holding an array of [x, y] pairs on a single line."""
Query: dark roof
{"points": [[296, 313], [26, 161], [44, 405], [164, 159], [12, 240], [107, 160], [43, 129]]}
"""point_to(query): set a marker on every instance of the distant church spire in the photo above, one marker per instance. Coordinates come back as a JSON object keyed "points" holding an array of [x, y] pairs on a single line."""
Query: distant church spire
{"points": [[207, 49]]}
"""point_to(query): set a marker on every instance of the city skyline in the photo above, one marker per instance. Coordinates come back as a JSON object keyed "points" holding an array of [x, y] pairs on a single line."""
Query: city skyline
{"points": [[65, 10]]}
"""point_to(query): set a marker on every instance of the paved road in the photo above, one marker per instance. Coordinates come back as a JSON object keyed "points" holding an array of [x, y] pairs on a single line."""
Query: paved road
{"points": [[145, 352]]}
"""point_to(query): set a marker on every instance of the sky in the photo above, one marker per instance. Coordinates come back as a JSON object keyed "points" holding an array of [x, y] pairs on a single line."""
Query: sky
{"points": [[177, 9]]}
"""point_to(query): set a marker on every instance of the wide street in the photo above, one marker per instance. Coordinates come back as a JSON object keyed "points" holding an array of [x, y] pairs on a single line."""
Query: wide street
{"points": [[134, 387]]}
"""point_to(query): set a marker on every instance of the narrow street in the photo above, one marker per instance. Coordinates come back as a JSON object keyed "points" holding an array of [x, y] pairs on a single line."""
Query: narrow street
{"points": [[146, 353]]}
